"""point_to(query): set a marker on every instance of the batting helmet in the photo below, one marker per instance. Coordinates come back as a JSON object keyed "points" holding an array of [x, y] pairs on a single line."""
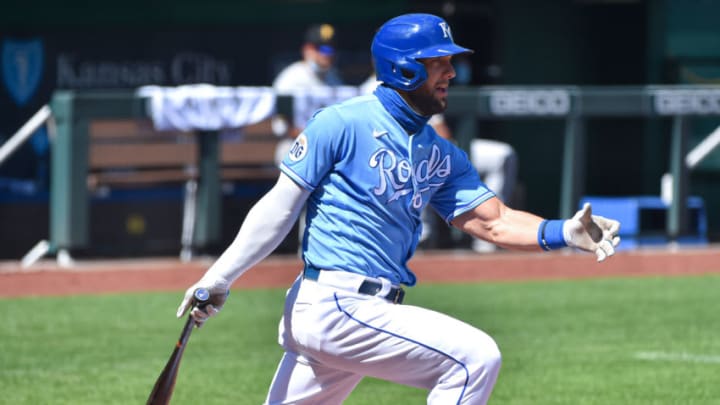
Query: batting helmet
{"points": [[402, 40]]}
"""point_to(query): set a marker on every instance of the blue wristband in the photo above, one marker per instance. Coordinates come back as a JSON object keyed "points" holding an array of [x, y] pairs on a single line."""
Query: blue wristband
{"points": [[550, 234]]}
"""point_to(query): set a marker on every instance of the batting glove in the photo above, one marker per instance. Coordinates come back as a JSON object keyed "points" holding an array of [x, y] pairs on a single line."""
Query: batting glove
{"points": [[219, 289], [592, 233]]}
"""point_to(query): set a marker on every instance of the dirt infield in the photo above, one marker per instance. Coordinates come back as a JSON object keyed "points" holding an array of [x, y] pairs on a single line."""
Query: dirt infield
{"points": [[169, 274]]}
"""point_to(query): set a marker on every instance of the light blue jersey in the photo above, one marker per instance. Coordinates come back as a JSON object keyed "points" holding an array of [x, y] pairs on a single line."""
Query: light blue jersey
{"points": [[369, 181]]}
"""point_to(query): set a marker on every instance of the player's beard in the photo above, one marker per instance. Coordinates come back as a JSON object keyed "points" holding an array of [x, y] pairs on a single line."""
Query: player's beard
{"points": [[426, 104]]}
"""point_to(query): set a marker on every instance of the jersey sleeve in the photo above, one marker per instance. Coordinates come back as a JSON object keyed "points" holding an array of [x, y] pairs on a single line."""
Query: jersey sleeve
{"points": [[463, 191], [316, 150]]}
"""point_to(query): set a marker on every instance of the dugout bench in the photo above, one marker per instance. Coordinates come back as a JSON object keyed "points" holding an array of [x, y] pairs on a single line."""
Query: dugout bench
{"points": [[643, 219], [105, 140]]}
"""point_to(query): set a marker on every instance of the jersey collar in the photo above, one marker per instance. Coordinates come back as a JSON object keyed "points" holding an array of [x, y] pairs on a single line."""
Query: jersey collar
{"points": [[411, 121]]}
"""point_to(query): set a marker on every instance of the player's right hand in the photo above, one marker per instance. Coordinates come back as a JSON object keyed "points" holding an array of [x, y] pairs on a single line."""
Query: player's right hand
{"points": [[219, 289]]}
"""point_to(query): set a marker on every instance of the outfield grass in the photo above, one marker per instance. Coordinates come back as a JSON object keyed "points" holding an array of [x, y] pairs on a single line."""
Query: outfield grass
{"points": [[607, 341]]}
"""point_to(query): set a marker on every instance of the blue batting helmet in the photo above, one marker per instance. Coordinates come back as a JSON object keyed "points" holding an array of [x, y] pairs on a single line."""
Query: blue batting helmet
{"points": [[402, 40]]}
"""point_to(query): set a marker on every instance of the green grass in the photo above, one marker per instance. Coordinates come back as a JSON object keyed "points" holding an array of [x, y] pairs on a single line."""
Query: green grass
{"points": [[563, 342]]}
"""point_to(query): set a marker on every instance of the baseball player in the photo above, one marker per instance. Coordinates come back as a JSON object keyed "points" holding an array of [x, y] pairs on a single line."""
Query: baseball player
{"points": [[315, 70], [366, 168], [495, 161]]}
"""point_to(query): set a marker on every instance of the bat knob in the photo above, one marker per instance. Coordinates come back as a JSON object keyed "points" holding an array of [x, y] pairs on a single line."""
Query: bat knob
{"points": [[201, 295]]}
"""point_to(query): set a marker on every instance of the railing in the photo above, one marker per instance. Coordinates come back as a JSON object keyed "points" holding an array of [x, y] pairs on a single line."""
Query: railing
{"points": [[573, 104], [24, 133], [73, 110]]}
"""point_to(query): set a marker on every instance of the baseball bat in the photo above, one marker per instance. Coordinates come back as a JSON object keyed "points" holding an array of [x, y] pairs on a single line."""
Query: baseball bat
{"points": [[165, 384]]}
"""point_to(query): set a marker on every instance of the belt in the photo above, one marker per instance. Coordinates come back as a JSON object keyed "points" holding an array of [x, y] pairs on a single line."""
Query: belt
{"points": [[367, 287]]}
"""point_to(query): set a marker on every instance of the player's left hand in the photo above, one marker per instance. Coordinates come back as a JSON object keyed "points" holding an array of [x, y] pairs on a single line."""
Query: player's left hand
{"points": [[592, 233]]}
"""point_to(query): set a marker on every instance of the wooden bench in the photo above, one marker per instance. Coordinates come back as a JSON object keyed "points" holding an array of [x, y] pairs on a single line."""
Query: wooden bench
{"points": [[252, 157], [130, 154]]}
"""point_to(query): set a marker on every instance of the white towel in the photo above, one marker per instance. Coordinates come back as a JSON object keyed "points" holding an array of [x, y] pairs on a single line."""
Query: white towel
{"points": [[307, 101], [207, 107]]}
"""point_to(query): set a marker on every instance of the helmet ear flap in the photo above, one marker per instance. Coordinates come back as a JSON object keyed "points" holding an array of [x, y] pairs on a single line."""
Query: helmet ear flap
{"points": [[402, 73], [412, 72]]}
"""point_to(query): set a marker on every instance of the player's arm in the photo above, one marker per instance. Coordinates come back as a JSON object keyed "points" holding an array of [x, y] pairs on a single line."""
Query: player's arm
{"points": [[495, 222], [264, 227], [520, 230]]}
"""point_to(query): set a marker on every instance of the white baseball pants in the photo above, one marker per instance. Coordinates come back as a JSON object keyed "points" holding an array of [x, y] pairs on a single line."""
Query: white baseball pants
{"points": [[333, 336]]}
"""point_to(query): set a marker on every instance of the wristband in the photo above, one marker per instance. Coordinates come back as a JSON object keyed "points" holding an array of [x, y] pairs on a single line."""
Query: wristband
{"points": [[550, 234]]}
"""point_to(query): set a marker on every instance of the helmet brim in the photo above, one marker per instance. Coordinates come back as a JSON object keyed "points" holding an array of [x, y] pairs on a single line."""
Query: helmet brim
{"points": [[442, 50]]}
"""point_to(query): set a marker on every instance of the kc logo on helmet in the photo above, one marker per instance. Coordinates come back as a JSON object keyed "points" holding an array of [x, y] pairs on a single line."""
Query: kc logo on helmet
{"points": [[445, 29], [22, 66]]}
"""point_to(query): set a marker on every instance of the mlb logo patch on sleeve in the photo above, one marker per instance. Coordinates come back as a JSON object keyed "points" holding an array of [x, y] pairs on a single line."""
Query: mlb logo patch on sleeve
{"points": [[299, 148]]}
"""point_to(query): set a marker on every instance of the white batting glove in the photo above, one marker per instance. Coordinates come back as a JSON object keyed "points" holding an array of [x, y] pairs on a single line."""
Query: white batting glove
{"points": [[592, 233], [219, 289]]}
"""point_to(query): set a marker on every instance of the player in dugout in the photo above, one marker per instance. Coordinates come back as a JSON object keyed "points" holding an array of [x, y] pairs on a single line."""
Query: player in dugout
{"points": [[366, 167]]}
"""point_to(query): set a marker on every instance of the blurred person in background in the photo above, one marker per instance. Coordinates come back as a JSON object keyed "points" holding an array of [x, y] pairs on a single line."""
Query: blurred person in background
{"points": [[315, 69], [317, 66]]}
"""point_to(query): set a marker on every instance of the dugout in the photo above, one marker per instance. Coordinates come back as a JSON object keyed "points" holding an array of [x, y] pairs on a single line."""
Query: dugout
{"points": [[518, 43], [74, 111]]}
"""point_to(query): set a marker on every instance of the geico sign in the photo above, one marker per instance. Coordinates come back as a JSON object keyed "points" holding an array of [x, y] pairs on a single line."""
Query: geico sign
{"points": [[529, 102], [673, 102]]}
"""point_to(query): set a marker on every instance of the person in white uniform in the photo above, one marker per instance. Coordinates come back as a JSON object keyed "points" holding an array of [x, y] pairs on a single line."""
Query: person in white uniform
{"points": [[366, 168], [317, 66], [315, 70]]}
